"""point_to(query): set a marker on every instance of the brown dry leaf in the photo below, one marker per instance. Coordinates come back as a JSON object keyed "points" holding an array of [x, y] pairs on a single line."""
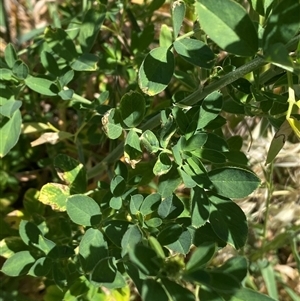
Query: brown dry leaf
{"points": [[51, 138]]}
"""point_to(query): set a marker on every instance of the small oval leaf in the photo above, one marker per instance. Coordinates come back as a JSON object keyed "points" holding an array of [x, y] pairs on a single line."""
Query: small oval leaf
{"points": [[132, 108], [156, 71], [83, 210]]}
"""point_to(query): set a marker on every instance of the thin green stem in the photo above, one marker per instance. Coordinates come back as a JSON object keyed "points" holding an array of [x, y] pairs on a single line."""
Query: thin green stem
{"points": [[186, 35], [224, 81], [270, 188]]}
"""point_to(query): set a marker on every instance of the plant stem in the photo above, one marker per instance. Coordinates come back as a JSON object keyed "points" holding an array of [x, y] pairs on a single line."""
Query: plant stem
{"points": [[224, 81], [187, 101], [269, 196]]}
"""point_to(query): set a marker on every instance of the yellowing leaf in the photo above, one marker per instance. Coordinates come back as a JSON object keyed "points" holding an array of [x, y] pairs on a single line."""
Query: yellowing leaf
{"points": [[295, 125]]}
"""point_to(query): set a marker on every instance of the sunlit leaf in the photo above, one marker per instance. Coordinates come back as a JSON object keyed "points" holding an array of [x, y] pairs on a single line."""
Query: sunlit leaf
{"points": [[227, 23]]}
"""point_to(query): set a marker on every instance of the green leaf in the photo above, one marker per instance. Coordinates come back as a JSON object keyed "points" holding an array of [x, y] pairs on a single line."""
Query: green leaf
{"points": [[92, 248], [156, 246], [170, 208], [201, 256], [135, 203], [49, 63], [85, 62], [178, 14], [228, 25], [235, 143], [131, 238], [11, 245], [71, 172], [117, 186], [115, 230], [216, 142], [187, 176], [141, 40], [194, 143], [61, 251], [121, 169], [132, 149], [210, 155], [45, 245], [208, 294], [233, 182], [156, 71], [83, 210], [66, 94], [236, 266], [116, 203], [278, 141], [10, 55], [268, 275], [168, 183], [199, 207], [150, 204], [18, 264], [165, 36], [263, 7], [41, 85], [6, 74], [59, 275], [20, 70], [53, 293], [90, 27], [228, 221], [66, 78], [149, 141], [167, 131], [195, 52], [246, 294], [210, 109], [152, 290], [59, 41], [218, 281], [29, 232], [10, 107], [79, 287], [169, 234], [145, 259], [162, 165], [181, 119], [132, 108], [176, 291], [10, 130], [154, 222], [111, 124], [278, 55], [54, 195], [282, 25], [41, 267], [207, 234], [183, 244]]}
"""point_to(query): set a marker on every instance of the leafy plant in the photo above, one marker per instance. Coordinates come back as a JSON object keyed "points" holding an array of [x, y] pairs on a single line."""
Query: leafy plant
{"points": [[104, 217]]}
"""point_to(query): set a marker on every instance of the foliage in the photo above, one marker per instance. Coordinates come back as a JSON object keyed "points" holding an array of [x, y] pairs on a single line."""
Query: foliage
{"points": [[140, 181]]}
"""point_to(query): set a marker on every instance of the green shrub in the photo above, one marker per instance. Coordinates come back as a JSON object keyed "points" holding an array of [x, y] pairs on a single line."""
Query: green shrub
{"points": [[166, 93]]}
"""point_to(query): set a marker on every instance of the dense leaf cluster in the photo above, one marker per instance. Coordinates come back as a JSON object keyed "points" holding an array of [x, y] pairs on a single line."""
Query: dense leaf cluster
{"points": [[135, 223]]}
